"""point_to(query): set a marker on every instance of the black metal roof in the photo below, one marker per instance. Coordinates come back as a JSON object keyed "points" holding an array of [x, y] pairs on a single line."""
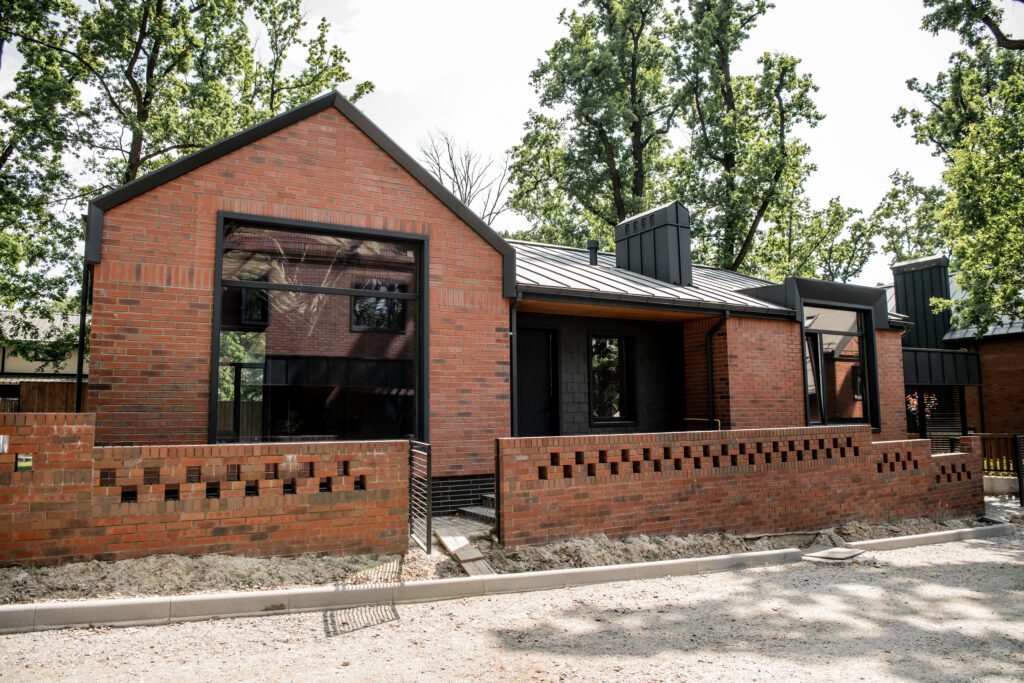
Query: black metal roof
{"points": [[566, 272], [120, 195]]}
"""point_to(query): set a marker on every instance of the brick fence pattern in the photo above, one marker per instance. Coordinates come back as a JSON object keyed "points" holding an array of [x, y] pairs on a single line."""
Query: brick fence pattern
{"points": [[73, 501], [742, 481]]}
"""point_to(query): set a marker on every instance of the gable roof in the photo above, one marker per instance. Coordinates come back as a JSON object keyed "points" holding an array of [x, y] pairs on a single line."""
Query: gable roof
{"points": [[566, 271], [120, 195]]}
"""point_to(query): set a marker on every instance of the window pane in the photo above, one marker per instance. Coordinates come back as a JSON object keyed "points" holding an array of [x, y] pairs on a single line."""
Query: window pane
{"points": [[811, 372], [609, 389], [377, 314], [844, 377], [256, 254], [304, 373], [831, 319]]}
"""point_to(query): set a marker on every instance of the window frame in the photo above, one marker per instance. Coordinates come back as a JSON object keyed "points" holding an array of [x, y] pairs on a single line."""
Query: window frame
{"points": [[628, 378], [868, 375], [421, 243]]}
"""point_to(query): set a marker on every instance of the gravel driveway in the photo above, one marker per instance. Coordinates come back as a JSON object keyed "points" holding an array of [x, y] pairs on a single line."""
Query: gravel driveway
{"points": [[942, 612]]}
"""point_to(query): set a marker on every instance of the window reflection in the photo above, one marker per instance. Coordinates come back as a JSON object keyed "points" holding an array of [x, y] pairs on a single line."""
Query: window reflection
{"points": [[835, 366], [610, 388], [299, 365]]}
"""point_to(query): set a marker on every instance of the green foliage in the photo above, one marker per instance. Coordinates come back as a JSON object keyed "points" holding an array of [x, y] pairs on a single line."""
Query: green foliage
{"points": [[595, 153], [907, 219], [38, 227], [974, 122], [831, 244], [628, 75], [977, 21], [127, 86], [983, 219]]}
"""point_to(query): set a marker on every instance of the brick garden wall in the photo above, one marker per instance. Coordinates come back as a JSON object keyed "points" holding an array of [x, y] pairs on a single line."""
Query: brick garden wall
{"points": [[153, 290], [79, 502], [743, 481]]}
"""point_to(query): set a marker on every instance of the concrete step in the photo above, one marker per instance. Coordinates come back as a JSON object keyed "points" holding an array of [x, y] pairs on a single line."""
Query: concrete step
{"points": [[488, 500], [479, 513]]}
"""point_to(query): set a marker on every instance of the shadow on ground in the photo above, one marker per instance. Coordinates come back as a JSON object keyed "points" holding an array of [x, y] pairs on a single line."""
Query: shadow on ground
{"points": [[914, 617]]}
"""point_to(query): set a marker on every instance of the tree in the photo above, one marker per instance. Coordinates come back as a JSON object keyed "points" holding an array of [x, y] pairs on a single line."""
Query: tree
{"points": [[478, 182], [983, 218], [907, 219], [831, 244], [743, 158], [39, 230], [975, 20], [596, 152]]}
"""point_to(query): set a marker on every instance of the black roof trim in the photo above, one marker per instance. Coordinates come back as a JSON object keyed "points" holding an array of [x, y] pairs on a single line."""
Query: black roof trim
{"points": [[120, 195]]}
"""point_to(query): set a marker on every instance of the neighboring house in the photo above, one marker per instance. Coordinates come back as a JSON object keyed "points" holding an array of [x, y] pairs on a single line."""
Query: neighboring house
{"points": [[957, 382], [307, 279], [29, 385]]}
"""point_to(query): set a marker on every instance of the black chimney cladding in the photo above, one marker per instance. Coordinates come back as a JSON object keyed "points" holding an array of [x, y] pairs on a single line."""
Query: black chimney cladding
{"points": [[657, 244]]}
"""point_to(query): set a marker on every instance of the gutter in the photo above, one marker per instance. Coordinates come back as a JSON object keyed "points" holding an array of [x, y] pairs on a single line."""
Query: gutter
{"points": [[708, 340]]}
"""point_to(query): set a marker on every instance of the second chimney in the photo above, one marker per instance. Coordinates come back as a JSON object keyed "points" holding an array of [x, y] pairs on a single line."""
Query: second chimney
{"points": [[657, 244], [592, 246]]}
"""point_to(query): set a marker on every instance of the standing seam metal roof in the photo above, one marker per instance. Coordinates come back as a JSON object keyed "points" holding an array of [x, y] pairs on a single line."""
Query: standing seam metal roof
{"points": [[558, 270]]}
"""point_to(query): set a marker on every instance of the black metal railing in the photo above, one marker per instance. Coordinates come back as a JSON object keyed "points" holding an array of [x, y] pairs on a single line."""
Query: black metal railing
{"points": [[420, 494]]}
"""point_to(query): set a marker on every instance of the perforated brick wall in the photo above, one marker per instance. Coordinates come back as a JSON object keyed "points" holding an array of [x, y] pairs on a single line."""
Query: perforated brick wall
{"points": [[741, 481], [75, 502]]}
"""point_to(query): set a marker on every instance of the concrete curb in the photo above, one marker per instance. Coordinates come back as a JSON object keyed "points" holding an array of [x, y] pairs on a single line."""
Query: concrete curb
{"points": [[898, 542], [178, 608]]}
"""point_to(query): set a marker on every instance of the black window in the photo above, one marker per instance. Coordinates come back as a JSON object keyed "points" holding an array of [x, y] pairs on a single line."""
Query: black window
{"points": [[299, 354], [611, 379], [378, 314], [835, 365]]}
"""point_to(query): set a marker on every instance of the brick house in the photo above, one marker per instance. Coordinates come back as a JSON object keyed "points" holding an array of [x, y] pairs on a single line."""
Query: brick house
{"points": [[957, 382], [306, 279]]}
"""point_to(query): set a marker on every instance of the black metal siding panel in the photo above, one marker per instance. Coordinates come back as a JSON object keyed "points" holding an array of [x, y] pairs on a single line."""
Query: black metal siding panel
{"points": [[939, 367]]}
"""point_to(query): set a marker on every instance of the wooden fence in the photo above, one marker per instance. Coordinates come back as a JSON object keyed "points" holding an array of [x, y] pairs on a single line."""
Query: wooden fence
{"points": [[999, 451]]}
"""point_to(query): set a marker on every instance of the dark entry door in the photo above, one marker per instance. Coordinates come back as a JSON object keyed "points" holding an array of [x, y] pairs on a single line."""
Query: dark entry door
{"points": [[537, 383]]}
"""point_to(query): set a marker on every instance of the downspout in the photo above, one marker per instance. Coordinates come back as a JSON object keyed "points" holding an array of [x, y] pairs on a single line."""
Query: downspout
{"points": [[83, 305], [513, 327], [708, 340]]}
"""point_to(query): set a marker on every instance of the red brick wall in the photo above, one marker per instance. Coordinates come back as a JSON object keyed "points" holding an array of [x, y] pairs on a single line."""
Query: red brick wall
{"points": [[766, 382], [152, 313], [744, 481], [1002, 389], [891, 391], [62, 510]]}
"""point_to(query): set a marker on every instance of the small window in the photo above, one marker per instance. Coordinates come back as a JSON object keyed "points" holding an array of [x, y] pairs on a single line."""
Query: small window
{"points": [[255, 307], [378, 314], [611, 384]]}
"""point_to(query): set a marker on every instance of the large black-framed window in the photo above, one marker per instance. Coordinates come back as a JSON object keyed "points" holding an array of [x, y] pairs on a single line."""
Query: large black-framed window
{"points": [[838, 368], [611, 379], [301, 353]]}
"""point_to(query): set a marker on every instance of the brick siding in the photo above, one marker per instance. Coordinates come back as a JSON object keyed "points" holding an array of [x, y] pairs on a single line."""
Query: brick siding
{"points": [[743, 481], [81, 502], [1002, 389], [153, 290]]}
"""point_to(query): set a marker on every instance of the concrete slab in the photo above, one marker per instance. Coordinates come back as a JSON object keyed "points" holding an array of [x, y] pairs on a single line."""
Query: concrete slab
{"points": [[186, 607], [662, 568], [17, 618], [834, 554], [338, 597], [589, 575], [440, 589], [527, 581], [897, 542], [122, 612]]}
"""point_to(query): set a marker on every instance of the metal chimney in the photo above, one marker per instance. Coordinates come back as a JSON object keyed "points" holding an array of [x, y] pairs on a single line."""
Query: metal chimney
{"points": [[592, 246], [657, 244]]}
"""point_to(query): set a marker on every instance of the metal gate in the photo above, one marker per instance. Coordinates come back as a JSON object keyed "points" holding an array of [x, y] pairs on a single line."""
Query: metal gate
{"points": [[420, 494]]}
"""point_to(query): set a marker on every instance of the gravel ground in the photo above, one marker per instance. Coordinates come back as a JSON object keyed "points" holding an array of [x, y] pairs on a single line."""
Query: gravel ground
{"points": [[177, 574], [933, 613], [600, 550]]}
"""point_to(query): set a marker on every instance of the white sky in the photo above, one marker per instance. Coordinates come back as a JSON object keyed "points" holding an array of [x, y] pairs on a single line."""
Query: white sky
{"points": [[463, 65]]}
